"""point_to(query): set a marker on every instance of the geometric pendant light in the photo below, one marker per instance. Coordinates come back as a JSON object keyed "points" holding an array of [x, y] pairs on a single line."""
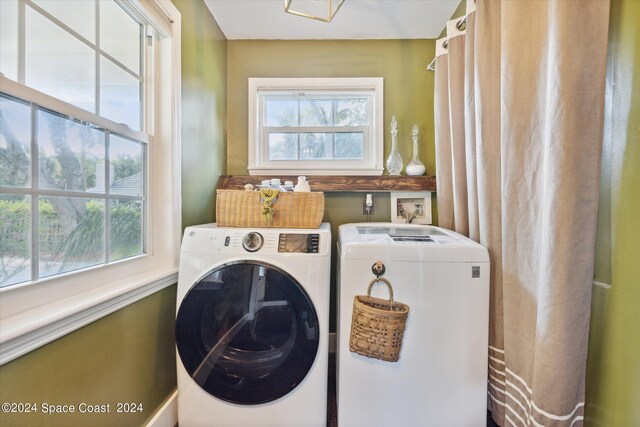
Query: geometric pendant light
{"points": [[331, 13]]}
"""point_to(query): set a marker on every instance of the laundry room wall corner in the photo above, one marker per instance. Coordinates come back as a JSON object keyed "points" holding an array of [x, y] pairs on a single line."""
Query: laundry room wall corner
{"points": [[204, 100], [613, 366]]}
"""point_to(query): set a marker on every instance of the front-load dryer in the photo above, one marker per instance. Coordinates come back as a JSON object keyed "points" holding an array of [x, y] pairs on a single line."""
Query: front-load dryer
{"points": [[252, 326]]}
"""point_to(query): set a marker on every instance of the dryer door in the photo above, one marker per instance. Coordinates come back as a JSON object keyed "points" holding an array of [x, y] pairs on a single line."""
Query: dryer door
{"points": [[247, 332]]}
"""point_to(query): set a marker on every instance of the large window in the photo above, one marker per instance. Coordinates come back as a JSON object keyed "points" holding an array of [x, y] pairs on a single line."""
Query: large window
{"points": [[320, 126], [74, 200], [73, 182], [89, 162]]}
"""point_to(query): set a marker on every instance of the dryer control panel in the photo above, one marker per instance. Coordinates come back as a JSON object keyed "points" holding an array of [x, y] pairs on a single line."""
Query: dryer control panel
{"points": [[301, 243], [208, 238]]}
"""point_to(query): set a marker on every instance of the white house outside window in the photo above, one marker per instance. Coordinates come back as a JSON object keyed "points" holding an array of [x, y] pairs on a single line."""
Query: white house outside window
{"points": [[320, 126]]}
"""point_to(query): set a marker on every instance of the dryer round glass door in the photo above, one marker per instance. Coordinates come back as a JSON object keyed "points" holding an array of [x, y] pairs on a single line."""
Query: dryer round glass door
{"points": [[247, 332]]}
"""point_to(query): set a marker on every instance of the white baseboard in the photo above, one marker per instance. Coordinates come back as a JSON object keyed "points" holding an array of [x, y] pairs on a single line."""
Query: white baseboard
{"points": [[332, 342], [167, 415]]}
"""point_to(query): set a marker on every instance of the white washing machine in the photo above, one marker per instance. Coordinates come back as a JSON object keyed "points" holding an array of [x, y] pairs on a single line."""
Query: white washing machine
{"points": [[252, 327], [441, 377]]}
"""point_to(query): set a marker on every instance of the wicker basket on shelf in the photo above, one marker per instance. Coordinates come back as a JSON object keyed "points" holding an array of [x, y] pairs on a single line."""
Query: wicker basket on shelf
{"points": [[238, 208], [377, 325]]}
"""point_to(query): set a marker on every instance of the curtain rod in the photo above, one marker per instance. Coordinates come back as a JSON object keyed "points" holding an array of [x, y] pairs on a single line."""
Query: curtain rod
{"points": [[459, 25]]}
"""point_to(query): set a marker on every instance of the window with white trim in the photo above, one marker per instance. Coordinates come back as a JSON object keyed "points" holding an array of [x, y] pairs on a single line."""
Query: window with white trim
{"points": [[57, 212], [315, 126], [76, 121], [93, 142]]}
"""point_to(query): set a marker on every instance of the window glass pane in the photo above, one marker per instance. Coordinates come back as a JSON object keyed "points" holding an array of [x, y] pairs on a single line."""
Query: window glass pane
{"points": [[119, 95], [71, 234], [126, 166], [80, 16], [315, 124], [351, 112], [316, 112], [126, 229], [120, 35], [349, 145], [316, 146], [15, 142], [71, 155], [281, 112], [9, 38], [283, 146], [15, 239], [59, 64]]}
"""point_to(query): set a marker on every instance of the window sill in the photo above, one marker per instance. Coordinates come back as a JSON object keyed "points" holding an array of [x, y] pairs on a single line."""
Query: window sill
{"points": [[28, 330], [335, 183]]}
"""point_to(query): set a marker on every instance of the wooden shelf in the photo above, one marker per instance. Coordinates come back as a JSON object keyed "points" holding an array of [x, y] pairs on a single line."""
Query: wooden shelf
{"points": [[334, 183]]}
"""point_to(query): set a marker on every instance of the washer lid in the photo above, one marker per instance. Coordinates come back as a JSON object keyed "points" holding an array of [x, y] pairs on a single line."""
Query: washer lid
{"points": [[407, 242]]}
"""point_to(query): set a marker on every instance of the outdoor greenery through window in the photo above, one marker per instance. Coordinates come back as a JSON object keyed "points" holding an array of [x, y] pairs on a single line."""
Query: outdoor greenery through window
{"points": [[315, 126], [72, 190]]}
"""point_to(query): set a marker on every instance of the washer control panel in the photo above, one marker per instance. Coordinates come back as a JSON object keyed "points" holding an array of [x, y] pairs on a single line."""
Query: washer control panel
{"points": [[252, 242], [297, 242]]}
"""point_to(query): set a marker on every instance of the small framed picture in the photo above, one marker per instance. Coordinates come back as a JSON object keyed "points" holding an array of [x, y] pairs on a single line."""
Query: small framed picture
{"points": [[411, 207]]}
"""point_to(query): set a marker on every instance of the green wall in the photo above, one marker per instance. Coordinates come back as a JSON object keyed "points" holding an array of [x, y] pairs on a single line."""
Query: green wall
{"points": [[127, 356], [204, 103], [408, 94], [408, 87], [613, 364]]}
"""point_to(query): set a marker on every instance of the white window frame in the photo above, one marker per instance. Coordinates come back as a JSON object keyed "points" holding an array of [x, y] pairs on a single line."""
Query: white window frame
{"points": [[371, 164], [37, 312], [40, 102]]}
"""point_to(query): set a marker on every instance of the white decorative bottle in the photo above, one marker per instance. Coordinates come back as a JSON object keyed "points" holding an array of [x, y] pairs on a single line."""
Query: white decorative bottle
{"points": [[415, 166], [394, 161], [302, 186]]}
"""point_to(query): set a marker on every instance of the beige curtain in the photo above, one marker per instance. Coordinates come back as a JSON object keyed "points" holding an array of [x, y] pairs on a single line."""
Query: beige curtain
{"points": [[533, 112], [470, 130], [457, 129], [487, 82], [443, 139], [451, 157]]}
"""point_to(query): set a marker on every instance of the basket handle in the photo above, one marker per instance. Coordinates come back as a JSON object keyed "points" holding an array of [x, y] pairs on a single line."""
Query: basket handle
{"points": [[386, 282]]}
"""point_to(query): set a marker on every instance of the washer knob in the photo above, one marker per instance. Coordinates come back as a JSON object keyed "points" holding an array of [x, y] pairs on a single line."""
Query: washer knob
{"points": [[252, 241]]}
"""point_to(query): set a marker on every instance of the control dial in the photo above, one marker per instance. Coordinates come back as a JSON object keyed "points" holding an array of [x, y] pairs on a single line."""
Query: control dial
{"points": [[252, 241]]}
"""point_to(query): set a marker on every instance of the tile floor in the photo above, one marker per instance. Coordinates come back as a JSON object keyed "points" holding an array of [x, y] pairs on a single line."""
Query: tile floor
{"points": [[332, 414]]}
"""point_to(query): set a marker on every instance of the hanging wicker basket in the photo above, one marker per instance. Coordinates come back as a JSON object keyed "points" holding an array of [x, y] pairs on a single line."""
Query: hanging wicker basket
{"points": [[377, 325]]}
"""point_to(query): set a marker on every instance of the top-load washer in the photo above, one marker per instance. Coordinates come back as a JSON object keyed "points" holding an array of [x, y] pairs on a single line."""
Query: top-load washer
{"points": [[440, 379], [252, 326]]}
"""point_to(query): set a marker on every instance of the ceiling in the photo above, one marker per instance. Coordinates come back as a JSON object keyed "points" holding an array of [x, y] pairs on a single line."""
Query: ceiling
{"points": [[357, 19]]}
